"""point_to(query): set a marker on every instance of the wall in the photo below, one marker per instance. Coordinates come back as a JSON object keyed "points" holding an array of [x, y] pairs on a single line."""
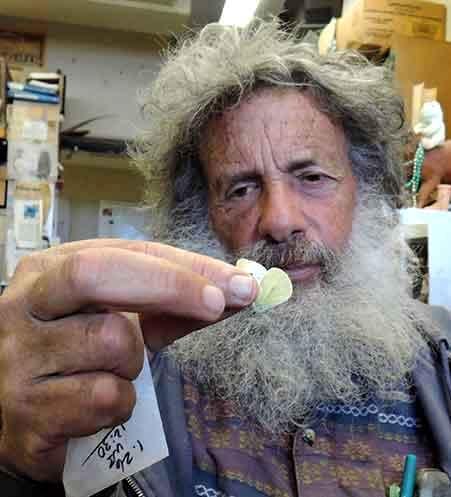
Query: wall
{"points": [[105, 71], [348, 3], [92, 183], [83, 220], [84, 188]]}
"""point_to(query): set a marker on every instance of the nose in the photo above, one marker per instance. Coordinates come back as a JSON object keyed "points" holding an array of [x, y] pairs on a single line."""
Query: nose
{"points": [[281, 214]]}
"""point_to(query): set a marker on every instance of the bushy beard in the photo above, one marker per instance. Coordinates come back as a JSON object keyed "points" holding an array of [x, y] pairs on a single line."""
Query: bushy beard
{"points": [[351, 334]]}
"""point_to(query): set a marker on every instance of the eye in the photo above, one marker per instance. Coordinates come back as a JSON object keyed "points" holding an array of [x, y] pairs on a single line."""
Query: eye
{"points": [[241, 190], [313, 177], [315, 181]]}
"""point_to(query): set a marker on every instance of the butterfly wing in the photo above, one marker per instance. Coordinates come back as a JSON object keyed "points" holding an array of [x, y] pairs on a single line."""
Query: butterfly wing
{"points": [[275, 288], [253, 268]]}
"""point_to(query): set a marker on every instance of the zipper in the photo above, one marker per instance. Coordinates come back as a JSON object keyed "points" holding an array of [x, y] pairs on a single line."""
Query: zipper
{"points": [[134, 486]]}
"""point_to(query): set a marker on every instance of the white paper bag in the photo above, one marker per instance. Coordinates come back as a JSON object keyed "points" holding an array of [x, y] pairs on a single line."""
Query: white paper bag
{"points": [[98, 461]]}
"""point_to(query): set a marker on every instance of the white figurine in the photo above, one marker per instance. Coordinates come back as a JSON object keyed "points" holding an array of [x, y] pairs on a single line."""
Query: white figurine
{"points": [[431, 125]]}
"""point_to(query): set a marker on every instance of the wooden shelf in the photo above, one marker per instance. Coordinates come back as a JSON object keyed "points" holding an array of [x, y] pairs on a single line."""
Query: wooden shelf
{"points": [[142, 16], [97, 160]]}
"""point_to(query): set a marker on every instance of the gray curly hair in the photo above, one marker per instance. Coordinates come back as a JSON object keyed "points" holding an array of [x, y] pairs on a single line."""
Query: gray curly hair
{"points": [[212, 71]]}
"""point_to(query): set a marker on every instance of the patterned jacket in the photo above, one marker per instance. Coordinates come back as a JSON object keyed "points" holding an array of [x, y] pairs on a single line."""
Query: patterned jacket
{"points": [[358, 450]]}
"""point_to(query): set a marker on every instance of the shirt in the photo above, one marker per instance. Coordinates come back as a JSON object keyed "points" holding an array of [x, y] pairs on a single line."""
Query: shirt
{"points": [[358, 450]]}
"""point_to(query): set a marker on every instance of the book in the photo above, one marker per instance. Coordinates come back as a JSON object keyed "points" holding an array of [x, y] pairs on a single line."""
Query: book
{"points": [[41, 84], [51, 78], [45, 76], [33, 96], [30, 87]]}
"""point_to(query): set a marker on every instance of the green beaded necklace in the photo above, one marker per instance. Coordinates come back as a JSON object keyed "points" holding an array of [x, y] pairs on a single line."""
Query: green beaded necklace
{"points": [[414, 183]]}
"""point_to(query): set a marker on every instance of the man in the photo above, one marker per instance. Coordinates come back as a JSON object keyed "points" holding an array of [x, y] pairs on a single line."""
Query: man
{"points": [[256, 147]]}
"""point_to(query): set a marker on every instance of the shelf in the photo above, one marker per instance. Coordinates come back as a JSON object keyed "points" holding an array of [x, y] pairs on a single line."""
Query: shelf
{"points": [[142, 16], [85, 151], [91, 159]]}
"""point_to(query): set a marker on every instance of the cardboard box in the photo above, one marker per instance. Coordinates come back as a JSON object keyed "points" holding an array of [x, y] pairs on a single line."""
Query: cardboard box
{"points": [[32, 161], [320, 11], [22, 49], [371, 23], [33, 122], [423, 61], [3, 190], [33, 140], [3, 102]]}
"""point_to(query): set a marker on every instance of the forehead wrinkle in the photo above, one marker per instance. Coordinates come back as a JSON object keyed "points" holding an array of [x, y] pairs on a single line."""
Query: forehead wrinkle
{"points": [[233, 139], [228, 132], [268, 141], [226, 153], [312, 145]]}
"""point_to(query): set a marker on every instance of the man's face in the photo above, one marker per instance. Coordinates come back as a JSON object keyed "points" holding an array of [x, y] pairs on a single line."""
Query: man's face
{"points": [[282, 192], [277, 170]]}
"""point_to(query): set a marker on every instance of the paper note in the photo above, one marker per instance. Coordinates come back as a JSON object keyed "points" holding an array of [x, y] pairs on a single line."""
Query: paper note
{"points": [[35, 131], [439, 240], [98, 461], [439, 244], [28, 221]]}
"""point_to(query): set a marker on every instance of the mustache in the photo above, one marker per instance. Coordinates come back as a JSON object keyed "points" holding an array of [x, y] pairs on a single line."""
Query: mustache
{"points": [[296, 251]]}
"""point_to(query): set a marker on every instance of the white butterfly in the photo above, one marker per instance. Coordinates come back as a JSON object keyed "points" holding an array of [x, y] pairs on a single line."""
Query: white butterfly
{"points": [[275, 285]]}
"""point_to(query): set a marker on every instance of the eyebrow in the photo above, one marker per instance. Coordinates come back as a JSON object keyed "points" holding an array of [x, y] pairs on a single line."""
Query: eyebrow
{"points": [[297, 164], [331, 167]]}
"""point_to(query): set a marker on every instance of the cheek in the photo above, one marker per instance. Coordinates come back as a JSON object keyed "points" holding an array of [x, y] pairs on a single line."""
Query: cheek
{"points": [[336, 220], [235, 228]]}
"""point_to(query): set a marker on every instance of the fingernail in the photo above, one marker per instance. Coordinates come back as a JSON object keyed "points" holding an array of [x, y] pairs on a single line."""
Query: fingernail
{"points": [[213, 299], [242, 289]]}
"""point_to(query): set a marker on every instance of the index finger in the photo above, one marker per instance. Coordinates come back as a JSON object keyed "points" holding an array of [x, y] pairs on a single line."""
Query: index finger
{"points": [[130, 281], [210, 268]]}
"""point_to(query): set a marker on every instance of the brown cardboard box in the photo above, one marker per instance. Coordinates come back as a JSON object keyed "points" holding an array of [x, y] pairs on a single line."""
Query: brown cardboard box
{"points": [[30, 121], [423, 61], [32, 161], [22, 49], [3, 81], [3, 192], [372, 23]]}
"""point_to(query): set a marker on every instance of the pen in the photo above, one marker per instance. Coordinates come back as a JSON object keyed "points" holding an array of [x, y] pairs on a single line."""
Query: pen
{"points": [[409, 475]]}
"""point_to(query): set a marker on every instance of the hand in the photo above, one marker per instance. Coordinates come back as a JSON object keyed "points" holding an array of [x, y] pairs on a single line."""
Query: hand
{"points": [[67, 353]]}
